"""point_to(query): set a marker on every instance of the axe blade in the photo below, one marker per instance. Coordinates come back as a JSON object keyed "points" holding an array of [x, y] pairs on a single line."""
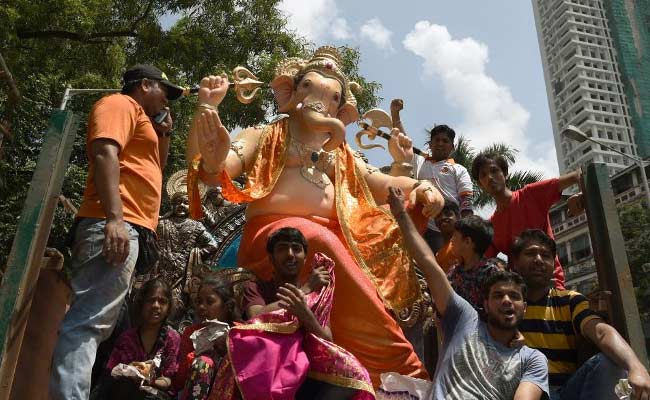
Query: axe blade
{"points": [[379, 118]]}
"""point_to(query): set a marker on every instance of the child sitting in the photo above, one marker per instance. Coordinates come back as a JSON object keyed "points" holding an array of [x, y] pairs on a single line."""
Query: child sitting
{"points": [[472, 236], [215, 301], [151, 339], [446, 222]]}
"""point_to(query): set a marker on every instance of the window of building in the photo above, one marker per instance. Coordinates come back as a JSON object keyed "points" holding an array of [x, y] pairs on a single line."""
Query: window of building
{"points": [[580, 247], [556, 217]]}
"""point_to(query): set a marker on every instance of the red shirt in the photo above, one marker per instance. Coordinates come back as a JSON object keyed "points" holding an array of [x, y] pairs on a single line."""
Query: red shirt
{"points": [[528, 209]]}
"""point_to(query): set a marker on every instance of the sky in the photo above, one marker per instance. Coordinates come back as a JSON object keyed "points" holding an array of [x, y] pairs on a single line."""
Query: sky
{"points": [[474, 65]]}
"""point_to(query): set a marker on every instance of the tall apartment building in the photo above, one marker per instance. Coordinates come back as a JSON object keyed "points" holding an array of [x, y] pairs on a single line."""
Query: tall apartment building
{"points": [[629, 23], [583, 81]]}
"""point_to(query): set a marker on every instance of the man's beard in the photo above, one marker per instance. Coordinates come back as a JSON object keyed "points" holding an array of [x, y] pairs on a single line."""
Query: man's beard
{"points": [[495, 320]]}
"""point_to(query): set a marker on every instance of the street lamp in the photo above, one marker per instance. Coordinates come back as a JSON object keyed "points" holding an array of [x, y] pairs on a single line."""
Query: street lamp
{"points": [[573, 133]]}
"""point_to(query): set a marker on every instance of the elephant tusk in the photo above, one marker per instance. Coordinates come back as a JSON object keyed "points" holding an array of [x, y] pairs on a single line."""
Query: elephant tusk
{"points": [[371, 136]]}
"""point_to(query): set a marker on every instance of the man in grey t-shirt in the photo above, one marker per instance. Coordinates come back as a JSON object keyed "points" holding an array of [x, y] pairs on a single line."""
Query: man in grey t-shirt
{"points": [[476, 360]]}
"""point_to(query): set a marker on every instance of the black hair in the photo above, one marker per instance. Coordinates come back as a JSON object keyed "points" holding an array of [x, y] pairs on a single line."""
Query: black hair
{"points": [[288, 234], [147, 289], [484, 158], [477, 229], [451, 206], [131, 86], [529, 236], [438, 129], [504, 276], [225, 292]]}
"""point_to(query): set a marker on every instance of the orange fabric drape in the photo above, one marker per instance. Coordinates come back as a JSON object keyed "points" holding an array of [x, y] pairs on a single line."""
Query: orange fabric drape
{"points": [[371, 233], [374, 272]]}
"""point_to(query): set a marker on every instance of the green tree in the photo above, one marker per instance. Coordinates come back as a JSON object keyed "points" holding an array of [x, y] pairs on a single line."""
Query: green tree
{"points": [[464, 154], [635, 224], [88, 44]]}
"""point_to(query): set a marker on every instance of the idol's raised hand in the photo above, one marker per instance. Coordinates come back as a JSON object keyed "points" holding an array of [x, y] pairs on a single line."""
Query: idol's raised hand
{"points": [[426, 194], [214, 140], [213, 89], [400, 146]]}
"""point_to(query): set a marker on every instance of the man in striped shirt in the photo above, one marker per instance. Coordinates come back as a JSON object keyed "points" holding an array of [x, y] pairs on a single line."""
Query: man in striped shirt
{"points": [[556, 320]]}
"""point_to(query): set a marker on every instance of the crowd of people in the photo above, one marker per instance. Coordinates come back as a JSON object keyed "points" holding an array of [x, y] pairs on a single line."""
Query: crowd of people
{"points": [[504, 330]]}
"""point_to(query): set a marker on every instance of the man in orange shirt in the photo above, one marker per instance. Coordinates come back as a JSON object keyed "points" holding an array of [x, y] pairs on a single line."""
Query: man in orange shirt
{"points": [[127, 151]]}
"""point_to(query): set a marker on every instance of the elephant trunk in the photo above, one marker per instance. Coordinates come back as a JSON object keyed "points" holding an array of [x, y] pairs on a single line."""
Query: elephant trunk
{"points": [[314, 117]]}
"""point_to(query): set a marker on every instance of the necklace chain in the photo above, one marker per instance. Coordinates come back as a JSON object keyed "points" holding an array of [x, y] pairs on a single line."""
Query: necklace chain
{"points": [[314, 163]]}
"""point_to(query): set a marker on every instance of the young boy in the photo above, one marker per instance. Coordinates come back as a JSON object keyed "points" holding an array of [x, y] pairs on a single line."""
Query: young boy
{"points": [[522, 209], [446, 222], [472, 236], [451, 179]]}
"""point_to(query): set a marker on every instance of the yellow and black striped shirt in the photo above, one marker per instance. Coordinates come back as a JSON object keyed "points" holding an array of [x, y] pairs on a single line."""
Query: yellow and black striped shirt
{"points": [[551, 325]]}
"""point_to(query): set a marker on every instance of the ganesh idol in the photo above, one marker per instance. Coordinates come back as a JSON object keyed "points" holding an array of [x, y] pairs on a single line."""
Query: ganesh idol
{"points": [[301, 173]]}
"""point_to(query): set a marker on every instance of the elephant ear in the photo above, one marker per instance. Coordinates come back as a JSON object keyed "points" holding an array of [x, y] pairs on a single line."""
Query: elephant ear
{"points": [[348, 113], [282, 90]]}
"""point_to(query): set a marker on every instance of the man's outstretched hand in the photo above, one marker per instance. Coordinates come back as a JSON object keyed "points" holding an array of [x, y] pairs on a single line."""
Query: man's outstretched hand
{"points": [[396, 200]]}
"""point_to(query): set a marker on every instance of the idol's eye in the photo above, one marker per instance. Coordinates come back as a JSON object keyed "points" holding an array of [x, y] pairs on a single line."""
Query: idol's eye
{"points": [[337, 97]]}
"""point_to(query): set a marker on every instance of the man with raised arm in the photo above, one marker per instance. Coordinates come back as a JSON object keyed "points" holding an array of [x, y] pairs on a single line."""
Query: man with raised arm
{"points": [[476, 360], [451, 179]]}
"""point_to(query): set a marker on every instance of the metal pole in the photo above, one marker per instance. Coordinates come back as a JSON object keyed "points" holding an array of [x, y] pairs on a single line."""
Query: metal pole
{"points": [[32, 232], [611, 258], [639, 161], [69, 92]]}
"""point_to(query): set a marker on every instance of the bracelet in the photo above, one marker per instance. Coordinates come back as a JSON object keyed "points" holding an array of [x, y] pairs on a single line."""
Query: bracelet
{"points": [[208, 106], [403, 164]]}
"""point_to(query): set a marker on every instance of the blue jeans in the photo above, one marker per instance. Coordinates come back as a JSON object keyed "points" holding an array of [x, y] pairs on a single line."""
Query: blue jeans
{"points": [[98, 290], [594, 380]]}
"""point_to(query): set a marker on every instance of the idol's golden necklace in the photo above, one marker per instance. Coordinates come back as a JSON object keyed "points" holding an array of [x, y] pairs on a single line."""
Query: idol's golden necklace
{"points": [[314, 163]]}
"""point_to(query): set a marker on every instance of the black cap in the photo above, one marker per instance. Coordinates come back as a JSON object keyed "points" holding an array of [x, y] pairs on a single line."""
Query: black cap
{"points": [[142, 71]]}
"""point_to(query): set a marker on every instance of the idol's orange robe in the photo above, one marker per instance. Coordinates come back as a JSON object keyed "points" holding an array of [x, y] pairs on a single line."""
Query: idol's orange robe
{"points": [[374, 273]]}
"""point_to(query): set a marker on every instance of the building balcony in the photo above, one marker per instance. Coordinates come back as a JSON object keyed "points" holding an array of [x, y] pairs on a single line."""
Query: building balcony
{"points": [[573, 271]]}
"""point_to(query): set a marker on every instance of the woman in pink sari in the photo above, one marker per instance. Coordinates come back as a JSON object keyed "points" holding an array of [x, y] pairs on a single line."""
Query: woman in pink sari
{"points": [[271, 357]]}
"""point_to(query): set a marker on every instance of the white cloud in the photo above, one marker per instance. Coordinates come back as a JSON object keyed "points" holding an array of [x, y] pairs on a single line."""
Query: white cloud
{"points": [[340, 29], [489, 112], [315, 20], [374, 31]]}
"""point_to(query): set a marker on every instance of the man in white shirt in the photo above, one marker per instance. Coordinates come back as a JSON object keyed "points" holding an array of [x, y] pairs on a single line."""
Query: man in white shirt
{"points": [[451, 179]]}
